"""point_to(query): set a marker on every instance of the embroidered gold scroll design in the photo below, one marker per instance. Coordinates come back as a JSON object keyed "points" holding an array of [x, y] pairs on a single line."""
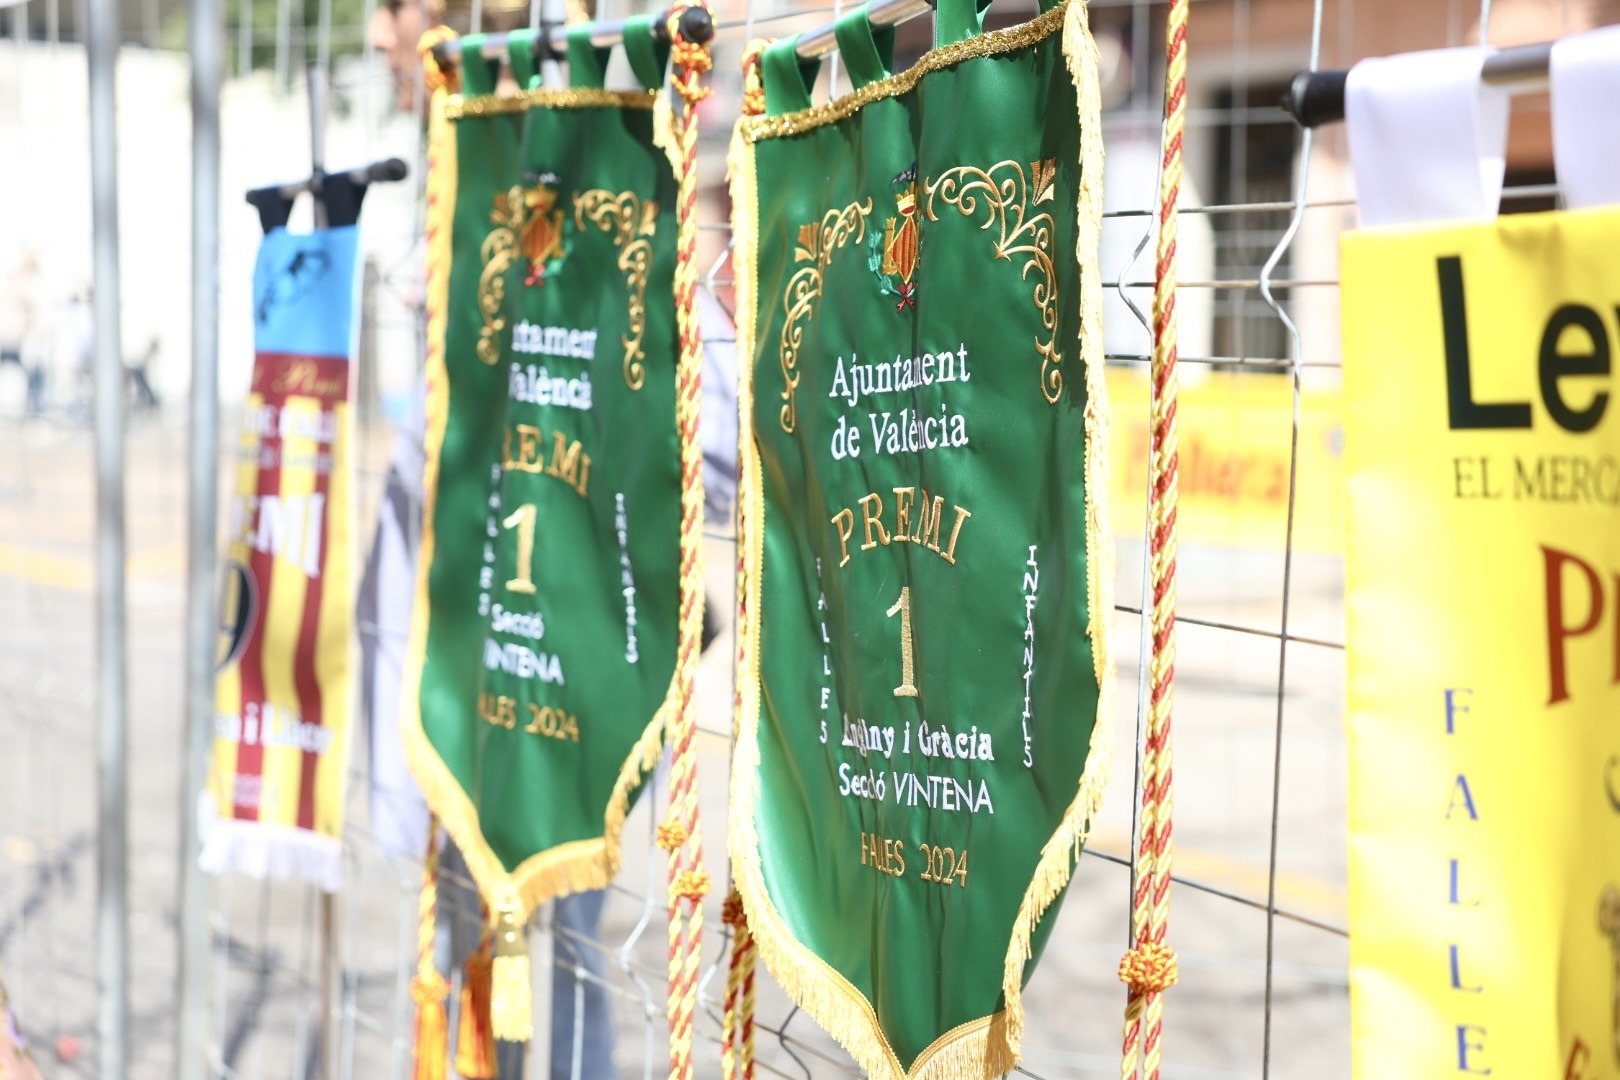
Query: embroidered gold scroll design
{"points": [[816, 244], [498, 250], [1009, 194], [631, 223]]}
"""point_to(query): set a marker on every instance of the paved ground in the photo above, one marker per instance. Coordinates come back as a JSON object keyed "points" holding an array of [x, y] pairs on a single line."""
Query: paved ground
{"points": [[264, 990]]}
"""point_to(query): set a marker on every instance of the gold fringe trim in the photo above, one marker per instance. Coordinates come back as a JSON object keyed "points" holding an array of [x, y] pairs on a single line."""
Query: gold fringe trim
{"points": [[568, 868], [1063, 849], [461, 106], [664, 136], [755, 128], [988, 1047]]}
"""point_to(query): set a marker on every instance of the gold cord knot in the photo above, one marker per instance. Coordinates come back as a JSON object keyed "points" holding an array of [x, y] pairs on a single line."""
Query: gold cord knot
{"points": [[691, 58], [436, 77], [732, 912], [429, 988], [691, 885], [671, 834], [753, 103], [1149, 968]]}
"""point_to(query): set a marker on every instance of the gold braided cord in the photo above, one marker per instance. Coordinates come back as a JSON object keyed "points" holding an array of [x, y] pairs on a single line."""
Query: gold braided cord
{"points": [[428, 988], [1149, 967], [731, 914], [427, 907], [434, 76], [753, 102], [682, 833], [737, 1025], [745, 1009]]}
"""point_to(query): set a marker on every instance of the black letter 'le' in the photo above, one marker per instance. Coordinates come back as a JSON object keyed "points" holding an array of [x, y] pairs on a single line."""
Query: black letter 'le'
{"points": [[1463, 412]]}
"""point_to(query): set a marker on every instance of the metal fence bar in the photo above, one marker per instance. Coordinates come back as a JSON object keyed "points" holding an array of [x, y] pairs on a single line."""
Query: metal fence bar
{"points": [[112, 746], [1296, 352], [207, 33]]}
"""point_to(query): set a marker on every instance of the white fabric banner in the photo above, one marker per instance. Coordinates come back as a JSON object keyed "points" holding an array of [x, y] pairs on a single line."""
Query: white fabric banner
{"points": [[1427, 138], [1585, 78]]}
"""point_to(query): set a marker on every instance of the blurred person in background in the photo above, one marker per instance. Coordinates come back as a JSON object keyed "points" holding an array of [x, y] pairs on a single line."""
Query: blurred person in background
{"points": [[395, 29], [398, 25], [20, 328], [138, 372], [76, 353]]}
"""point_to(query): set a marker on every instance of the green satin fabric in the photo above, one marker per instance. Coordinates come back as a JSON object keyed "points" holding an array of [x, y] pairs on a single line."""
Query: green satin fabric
{"points": [[604, 564], [520, 52], [478, 73], [867, 50], [788, 79], [648, 56], [587, 63], [993, 145]]}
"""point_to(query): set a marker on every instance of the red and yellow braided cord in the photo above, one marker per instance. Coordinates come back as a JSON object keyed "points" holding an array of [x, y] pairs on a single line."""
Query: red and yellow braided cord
{"points": [[737, 1031], [428, 988], [1149, 968], [681, 833]]}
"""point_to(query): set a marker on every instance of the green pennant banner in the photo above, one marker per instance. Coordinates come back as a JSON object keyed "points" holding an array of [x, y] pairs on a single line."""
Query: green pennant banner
{"points": [[924, 686], [545, 629]]}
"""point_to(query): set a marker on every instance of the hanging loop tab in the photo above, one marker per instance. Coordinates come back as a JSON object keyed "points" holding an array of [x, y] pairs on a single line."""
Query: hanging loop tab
{"points": [[788, 78], [958, 20], [868, 50]]}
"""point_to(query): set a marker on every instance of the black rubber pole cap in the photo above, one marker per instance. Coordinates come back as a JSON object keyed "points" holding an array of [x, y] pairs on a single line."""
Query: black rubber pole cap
{"points": [[697, 25], [1315, 98]]}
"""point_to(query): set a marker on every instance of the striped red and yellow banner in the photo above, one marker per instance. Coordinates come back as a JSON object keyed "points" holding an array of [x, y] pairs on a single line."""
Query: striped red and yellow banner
{"points": [[274, 805]]}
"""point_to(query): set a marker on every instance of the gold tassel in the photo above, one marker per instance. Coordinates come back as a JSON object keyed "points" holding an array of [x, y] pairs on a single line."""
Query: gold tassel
{"points": [[475, 1043], [429, 991], [511, 1012]]}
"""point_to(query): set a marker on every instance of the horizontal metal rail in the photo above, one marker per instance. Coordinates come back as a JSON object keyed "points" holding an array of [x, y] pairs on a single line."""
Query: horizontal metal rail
{"points": [[552, 38], [1315, 98]]}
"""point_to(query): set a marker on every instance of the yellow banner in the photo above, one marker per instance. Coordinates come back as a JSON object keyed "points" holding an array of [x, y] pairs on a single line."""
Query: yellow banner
{"points": [[1484, 634], [1235, 429]]}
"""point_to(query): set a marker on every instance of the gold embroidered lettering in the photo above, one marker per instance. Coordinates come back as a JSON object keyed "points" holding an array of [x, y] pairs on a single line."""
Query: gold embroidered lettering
{"points": [[907, 687], [565, 462], [919, 518], [928, 515], [528, 449], [962, 514], [844, 522], [870, 519], [569, 462], [903, 497], [883, 855], [552, 723]]}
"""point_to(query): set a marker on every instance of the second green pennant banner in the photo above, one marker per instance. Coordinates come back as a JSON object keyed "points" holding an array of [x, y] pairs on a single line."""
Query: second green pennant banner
{"points": [[925, 683], [545, 629]]}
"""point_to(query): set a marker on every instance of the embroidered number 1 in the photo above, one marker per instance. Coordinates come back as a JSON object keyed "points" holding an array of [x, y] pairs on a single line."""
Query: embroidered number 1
{"points": [[903, 606], [523, 520]]}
